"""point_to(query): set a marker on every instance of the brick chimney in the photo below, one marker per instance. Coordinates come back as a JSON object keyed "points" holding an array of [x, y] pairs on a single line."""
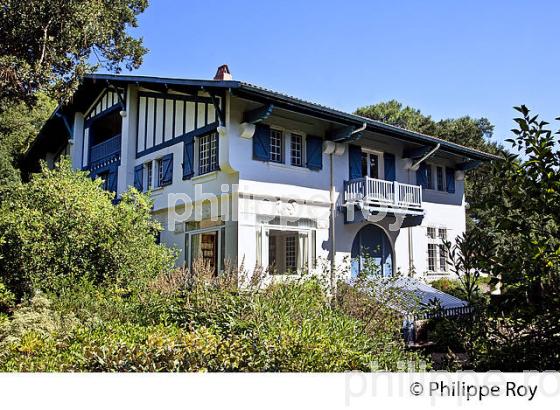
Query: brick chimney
{"points": [[223, 73]]}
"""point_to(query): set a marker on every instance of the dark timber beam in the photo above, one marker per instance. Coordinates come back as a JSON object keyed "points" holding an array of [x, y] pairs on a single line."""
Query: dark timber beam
{"points": [[417, 153], [258, 114], [468, 165], [66, 124], [119, 95], [218, 109]]}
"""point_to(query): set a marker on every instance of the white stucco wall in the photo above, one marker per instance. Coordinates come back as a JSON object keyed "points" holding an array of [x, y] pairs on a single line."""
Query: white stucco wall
{"points": [[269, 186]]}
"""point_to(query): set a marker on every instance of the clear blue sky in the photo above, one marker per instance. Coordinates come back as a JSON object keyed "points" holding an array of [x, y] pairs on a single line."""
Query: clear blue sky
{"points": [[447, 58]]}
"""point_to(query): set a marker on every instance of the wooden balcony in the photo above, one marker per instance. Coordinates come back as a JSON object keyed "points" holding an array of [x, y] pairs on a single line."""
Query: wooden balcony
{"points": [[105, 150], [379, 193]]}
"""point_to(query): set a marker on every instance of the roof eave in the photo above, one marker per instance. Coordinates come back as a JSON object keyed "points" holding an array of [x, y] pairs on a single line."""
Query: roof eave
{"points": [[289, 103]]}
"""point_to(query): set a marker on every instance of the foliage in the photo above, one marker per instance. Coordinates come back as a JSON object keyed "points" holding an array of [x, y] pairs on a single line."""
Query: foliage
{"points": [[48, 45], [450, 286], [7, 299], [62, 227], [518, 216], [515, 239], [19, 125], [192, 321], [472, 132]]}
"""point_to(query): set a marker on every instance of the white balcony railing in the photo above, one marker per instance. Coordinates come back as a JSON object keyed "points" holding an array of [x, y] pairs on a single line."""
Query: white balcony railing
{"points": [[380, 192]]}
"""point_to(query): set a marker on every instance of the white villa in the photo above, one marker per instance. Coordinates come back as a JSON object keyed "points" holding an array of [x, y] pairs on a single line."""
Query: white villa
{"points": [[242, 173]]}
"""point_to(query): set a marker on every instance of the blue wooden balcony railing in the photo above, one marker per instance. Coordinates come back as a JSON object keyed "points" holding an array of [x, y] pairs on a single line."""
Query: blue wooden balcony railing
{"points": [[105, 149]]}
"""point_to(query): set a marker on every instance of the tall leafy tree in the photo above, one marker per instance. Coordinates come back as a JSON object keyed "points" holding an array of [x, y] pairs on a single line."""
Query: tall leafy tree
{"points": [[472, 132], [19, 125], [48, 45]]}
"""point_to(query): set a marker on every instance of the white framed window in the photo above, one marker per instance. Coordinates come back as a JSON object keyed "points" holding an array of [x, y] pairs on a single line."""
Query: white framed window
{"points": [[296, 150], [207, 153], [437, 251], [371, 164], [208, 245], [276, 145], [285, 250]]}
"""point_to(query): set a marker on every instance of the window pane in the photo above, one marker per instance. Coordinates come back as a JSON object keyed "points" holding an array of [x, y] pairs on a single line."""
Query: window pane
{"points": [[149, 181], [272, 253], [291, 253], [430, 177], [432, 233], [364, 164], [195, 248], [159, 172], [276, 145], [297, 150], [373, 166], [442, 258], [440, 179], [432, 257], [208, 153], [302, 251]]}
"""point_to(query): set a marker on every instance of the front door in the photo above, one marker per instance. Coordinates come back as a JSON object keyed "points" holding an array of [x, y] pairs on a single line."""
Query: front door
{"points": [[371, 252]]}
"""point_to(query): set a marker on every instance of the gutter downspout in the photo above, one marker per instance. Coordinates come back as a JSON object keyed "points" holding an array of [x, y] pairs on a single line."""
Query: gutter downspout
{"points": [[332, 222], [362, 128], [414, 166]]}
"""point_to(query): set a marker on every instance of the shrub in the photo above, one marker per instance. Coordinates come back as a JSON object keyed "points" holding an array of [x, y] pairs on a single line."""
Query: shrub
{"points": [[62, 227], [449, 286], [191, 321], [7, 299]]}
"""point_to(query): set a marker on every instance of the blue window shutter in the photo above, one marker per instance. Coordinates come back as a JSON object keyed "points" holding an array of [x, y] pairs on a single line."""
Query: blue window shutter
{"points": [[139, 177], [450, 173], [261, 142], [389, 166], [355, 161], [167, 174], [314, 153], [112, 180], [422, 176], [188, 158]]}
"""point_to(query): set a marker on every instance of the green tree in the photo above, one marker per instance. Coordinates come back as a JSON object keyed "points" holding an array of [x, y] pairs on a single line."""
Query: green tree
{"points": [[19, 125], [468, 131], [518, 209], [48, 45], [61, 228]]}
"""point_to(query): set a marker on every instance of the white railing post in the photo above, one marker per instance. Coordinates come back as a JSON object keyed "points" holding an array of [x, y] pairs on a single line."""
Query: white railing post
{"points": [[396, 193]]}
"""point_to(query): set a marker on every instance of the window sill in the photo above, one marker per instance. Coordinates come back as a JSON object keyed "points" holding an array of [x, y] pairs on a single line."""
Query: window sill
{"points": [[433, 273], [155, 191], [210, 176], [289, 167]]}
